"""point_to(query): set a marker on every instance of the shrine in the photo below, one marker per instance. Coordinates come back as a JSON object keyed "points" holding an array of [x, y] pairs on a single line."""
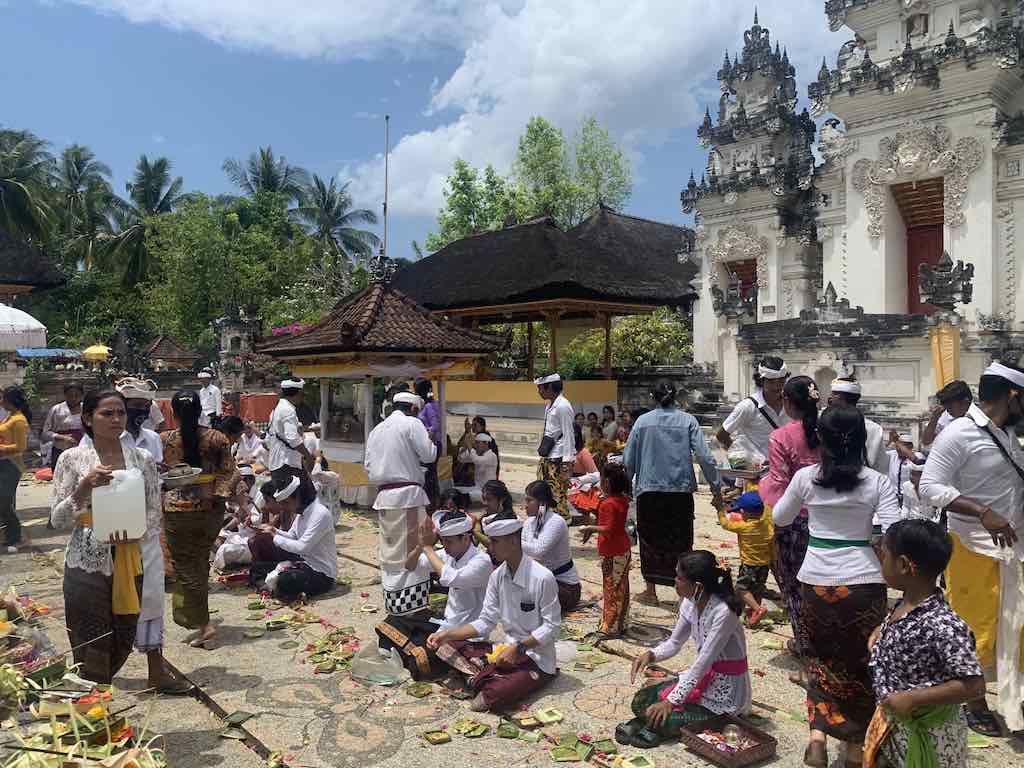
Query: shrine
{"points": [[893, 258]]}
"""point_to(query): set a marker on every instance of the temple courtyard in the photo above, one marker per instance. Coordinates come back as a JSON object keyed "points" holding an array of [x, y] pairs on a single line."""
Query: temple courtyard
{"points": [[330, 721]]}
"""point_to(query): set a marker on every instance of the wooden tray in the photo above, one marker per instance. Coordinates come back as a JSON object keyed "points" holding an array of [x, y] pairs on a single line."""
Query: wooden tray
{"points": [[765, 749], [742, 474]]}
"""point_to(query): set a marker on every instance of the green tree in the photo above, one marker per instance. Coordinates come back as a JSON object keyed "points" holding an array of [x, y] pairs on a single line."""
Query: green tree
{"points": [[265, 172], [151, 192], [86, 205], [474, 205], [325, 211], [602, 171], [638, 341], [26, 168], [542, 168]]}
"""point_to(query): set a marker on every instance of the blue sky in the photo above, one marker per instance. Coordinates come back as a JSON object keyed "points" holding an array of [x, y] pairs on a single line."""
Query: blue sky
{"points": [[203, 80]]}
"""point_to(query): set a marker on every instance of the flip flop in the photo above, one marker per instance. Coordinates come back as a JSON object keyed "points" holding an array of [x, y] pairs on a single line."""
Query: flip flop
{"points": [[983, 722]]}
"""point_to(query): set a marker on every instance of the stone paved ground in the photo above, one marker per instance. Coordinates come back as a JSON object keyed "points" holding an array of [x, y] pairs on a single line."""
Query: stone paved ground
{"points": [[329, 721]]}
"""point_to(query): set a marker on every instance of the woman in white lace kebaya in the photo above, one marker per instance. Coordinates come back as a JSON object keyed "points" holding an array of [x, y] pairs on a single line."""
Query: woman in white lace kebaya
{"points": [[103, 579]]}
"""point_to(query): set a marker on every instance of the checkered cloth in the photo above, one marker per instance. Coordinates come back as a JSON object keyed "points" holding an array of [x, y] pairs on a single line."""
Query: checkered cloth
{"points": [[409, 600]]}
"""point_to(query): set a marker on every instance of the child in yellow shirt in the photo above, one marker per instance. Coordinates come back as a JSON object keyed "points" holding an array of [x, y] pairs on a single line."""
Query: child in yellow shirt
{"points": [[754, 531]]}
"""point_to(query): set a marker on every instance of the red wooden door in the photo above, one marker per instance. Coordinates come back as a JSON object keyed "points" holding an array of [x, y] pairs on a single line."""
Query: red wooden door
{"points": [[924, 246]]}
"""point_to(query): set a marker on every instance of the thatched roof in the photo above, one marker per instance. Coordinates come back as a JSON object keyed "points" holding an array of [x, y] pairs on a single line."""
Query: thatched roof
{"points": [[21, 264], [164, 347], [382, 319], [608, 257]]}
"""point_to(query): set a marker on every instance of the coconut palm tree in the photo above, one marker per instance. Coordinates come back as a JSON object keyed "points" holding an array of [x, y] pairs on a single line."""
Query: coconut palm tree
{"points": [[325, 211], [79, 175], [265, 172], [26, 168], [151, 192]]}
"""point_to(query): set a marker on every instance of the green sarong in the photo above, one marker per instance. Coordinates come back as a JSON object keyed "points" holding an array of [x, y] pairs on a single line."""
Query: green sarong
{"points": [[190, 536], [677, 718]]}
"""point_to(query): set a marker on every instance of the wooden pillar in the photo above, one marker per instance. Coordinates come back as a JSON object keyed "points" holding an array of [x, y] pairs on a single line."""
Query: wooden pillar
{"points": [[553, 345], [324, 407], [607, 345], [530, 354], [442, 407], [368, 415]]}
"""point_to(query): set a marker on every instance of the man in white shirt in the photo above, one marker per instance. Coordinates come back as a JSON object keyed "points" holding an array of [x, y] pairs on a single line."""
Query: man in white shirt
{"points": [[953, 401], [522, 595], [284, 433], [210, 401], [485, 463], [558, 444], [754, 418], [250, 448], [463, 570], [396, 452], [847, 390], [63, 425], [975, 471]]}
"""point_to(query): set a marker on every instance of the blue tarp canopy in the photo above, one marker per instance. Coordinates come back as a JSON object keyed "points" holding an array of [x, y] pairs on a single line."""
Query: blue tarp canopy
{"points": [[45, 352]]}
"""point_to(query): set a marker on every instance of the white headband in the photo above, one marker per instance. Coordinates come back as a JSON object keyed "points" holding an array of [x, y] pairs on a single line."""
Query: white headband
{"points": [[205, 375], [771, 373], [288, 490], [849, 387], [246, 472], [408, 397], [905, 437], [503, 527], [551, 378], [136, 389], [482, 437], [293, 384], [1005, 372], [456, 527]]}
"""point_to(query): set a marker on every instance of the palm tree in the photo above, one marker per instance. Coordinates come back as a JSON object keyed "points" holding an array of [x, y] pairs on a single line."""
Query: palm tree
{"points": [[78, 174], [264, 172], [326, 212], [151, 192], [25, 173], [89, 236]]}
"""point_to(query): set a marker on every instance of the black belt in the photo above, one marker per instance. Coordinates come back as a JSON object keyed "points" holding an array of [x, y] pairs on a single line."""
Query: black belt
{"points": [[563, 569]]}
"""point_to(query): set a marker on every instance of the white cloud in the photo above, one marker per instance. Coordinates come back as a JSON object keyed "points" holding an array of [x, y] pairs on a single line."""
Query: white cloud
{"points": [[642, 68]]}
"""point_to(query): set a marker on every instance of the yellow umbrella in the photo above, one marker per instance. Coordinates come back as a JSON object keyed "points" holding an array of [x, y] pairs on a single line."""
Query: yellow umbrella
{"points": [[96, 353]]}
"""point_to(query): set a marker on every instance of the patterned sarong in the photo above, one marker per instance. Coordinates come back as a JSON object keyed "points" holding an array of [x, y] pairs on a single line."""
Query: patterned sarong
{"points": [[102, 641], [551, 473], [190, 535], [615, 583], [790, 549]]}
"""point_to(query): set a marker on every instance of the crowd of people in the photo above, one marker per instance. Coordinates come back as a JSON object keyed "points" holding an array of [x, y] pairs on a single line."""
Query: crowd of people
{"points": [[836, 510]]}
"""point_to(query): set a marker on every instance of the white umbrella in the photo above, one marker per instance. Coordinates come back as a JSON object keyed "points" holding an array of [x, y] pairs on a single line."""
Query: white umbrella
{"points": [[19, 329]]}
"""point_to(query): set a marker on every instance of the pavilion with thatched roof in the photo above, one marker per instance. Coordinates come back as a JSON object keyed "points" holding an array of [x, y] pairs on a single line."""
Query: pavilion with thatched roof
{"points": [[24, 269], [165, 353], [378, 332], [610, 264]]}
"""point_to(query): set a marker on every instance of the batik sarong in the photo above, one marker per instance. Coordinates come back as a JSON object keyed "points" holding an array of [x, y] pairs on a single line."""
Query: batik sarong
{"points": [[101, 640], [790, 550], [501, 687], [615, 583], [664, 525], [409, 636], [190, 535], [837, 622], [551, 473], [681, 714]]}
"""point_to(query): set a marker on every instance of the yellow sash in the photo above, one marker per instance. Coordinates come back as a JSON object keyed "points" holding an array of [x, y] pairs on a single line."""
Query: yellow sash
{"points": [[127, 567]]}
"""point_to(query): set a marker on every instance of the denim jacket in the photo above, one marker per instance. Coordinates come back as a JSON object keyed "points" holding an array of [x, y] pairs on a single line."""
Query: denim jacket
{"points": [[661, 449]]}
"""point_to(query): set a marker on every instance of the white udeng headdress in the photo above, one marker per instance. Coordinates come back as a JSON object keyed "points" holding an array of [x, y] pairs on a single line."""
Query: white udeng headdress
{"points": [[293, 384], [455, 527], [1005, 372], [288, 490], [501, 527], [849, 387], [132, 388], [551, 378], [408, 397], [770, 373]]}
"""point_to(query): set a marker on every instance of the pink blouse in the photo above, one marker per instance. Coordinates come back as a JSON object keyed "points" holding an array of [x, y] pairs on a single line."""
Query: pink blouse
{"points": [[787, 452]]}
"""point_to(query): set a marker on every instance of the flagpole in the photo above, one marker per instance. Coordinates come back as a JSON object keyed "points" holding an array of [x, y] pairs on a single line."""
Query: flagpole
{"points": [[387, 154]]}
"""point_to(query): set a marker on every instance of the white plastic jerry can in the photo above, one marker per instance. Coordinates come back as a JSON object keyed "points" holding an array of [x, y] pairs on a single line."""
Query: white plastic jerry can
{"points": [[120, 506]]}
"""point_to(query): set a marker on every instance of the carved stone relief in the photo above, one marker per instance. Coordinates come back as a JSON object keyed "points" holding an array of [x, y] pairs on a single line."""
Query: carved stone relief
{"points": [[918, 151], [833, 142], [738, 242], [1007, 215]]}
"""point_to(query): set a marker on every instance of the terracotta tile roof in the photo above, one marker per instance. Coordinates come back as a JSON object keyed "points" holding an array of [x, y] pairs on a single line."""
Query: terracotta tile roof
{"points": [[164, 347], [382, 319], [21, 264], [609, 257]]}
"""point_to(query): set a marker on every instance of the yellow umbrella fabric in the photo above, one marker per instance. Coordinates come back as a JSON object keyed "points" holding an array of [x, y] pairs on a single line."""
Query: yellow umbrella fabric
{"points": [[96, 353]]}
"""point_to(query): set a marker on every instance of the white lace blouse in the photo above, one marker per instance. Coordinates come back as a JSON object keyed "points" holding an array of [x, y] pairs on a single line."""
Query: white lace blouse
{"points": [[84, 551]]}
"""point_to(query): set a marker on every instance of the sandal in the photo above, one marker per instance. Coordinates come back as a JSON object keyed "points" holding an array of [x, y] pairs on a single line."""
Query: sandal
{"points": [[624, 732], [983, 722], [646, 739], [816, 755], [206, 643]]}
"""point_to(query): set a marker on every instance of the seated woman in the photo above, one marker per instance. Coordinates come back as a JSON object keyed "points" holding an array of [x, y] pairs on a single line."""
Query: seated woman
{"points": [[303, 559], [718, 681], [546, 540], [462, 569], [485, 466]]}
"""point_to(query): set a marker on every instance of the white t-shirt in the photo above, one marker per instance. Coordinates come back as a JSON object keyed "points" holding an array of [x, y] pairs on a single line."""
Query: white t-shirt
{"points": [[486, 466], [748, 427], [559, 420]]}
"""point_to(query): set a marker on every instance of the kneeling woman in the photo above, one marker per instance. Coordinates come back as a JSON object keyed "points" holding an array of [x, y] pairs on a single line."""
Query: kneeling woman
{"points": [[718, 681], [546, 540], [306, 554]]}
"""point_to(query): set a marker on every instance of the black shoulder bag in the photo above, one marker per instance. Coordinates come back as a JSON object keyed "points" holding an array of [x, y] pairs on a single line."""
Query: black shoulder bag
{"points": [[761, 409]]}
